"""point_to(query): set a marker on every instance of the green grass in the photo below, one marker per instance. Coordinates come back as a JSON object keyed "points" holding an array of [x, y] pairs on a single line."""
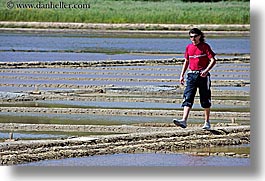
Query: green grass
{"points": [[129, 11]]}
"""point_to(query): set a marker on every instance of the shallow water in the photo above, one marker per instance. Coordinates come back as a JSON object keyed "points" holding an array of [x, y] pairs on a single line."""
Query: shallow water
{"points": [[145, 159], [244, 88], [46, 135], [51, 47], [76, 119], [31, 135], [34, 47], [54, 56], [148, 76], [136, 105]]}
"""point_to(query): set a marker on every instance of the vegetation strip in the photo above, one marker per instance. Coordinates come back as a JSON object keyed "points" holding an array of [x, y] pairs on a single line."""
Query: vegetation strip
{"points": [[124, 33], [124, 11], [124, 26]]}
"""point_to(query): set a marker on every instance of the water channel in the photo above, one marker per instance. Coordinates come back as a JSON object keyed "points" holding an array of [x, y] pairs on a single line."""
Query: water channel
{"points": [[55, 47]]}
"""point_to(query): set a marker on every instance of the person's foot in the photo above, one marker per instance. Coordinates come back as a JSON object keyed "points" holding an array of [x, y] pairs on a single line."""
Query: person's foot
{"points": [[180, 123], [206, 126]]}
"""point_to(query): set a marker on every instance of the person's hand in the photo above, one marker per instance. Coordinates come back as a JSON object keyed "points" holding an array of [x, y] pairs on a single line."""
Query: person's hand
{"points": [[204, 73], [181, 80]]}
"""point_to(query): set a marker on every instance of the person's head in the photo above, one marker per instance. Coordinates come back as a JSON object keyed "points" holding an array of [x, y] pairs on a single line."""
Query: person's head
{"points": [[196, 36]]}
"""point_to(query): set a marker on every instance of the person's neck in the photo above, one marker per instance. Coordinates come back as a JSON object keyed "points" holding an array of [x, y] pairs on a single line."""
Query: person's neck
{"points": [[196, 43]]}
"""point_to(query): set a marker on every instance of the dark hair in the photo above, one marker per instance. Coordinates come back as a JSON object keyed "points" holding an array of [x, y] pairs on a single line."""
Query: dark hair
{"points": [[198, 32]]}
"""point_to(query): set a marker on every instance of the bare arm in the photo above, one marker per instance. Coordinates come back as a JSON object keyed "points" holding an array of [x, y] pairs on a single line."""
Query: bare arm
{"points": [[184, 68], [209, 67]]}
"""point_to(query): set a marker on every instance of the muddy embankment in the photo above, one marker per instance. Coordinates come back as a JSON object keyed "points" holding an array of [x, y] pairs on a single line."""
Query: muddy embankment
{"points": [[116, 71], [124, 29], [150, 141], [111, 63]]}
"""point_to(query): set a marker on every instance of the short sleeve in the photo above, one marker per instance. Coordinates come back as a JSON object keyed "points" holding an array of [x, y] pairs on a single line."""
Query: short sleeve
{"points": [[186, 55], [209, 52]]}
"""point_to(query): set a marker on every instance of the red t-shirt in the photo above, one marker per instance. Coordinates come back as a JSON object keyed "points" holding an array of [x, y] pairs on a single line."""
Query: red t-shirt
{"points": [[199, 55]]}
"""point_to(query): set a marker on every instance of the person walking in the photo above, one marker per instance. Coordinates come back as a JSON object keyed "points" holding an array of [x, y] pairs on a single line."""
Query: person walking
{"points": [[200, 59]]}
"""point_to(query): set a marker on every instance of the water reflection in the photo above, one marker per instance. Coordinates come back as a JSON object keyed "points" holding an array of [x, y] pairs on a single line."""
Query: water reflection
{"points": [[145, 159], [30, 135]]}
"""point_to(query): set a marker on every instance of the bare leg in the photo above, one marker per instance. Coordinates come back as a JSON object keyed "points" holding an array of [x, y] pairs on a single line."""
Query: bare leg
{"points": [[207, 125], [207, 114], [183, 123], [186, 112]]}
